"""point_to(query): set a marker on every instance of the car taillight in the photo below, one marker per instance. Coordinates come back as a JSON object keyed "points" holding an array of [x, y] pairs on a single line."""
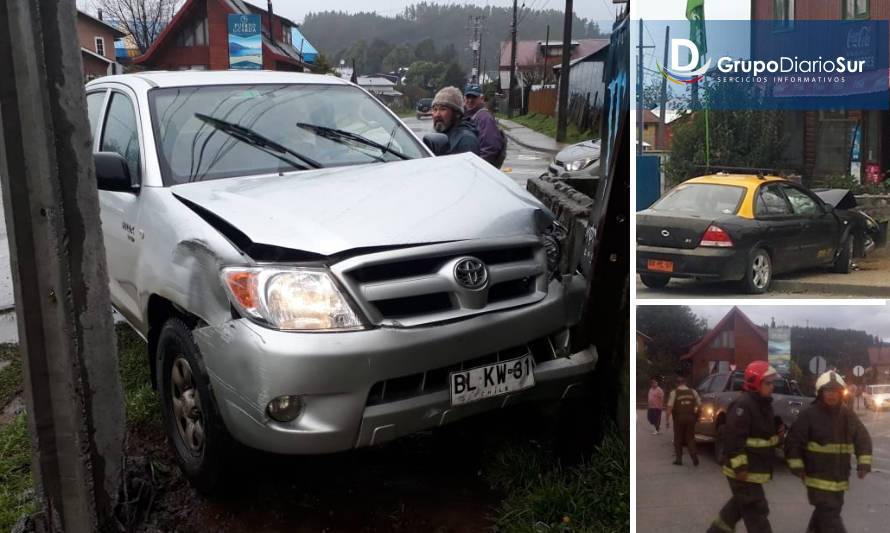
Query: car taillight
{"points": [[715, 236]]}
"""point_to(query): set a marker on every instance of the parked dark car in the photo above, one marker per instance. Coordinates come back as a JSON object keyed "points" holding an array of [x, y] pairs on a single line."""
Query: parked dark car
{"points": [[424, 107], [748, 228], [718, 390]]}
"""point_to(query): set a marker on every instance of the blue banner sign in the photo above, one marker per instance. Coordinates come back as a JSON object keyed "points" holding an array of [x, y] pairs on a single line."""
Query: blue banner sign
{"points": [[765, 64], [245, 42]]}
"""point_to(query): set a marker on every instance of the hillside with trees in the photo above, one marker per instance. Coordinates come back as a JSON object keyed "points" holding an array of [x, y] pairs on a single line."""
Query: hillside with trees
{"points": [[429, 33]]}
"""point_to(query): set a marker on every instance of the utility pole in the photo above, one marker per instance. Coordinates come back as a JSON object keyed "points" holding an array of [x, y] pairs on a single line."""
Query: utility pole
{"points": [[640, 105], [563, 102], [71, 380], [510, 97], [476, 44], [662, 108], [546, 48]]}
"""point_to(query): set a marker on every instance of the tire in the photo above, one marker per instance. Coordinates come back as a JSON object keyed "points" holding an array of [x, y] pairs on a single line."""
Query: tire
{"points": [[194, 428], [758, 272], [844, 262], [719, 449], [655, 281]]}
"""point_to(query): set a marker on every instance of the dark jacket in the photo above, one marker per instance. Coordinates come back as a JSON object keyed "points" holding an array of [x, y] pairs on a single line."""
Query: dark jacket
{"points": [[463, 137], [750, 437], [820, 443], [491, 139]]}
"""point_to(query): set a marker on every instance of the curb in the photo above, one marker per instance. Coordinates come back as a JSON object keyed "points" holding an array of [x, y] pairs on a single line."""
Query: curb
{"points": [[799, 286], [530, 146]]}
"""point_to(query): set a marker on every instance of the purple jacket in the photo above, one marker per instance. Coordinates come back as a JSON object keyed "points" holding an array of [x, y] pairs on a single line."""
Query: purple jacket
{"points": [[491, 140]]}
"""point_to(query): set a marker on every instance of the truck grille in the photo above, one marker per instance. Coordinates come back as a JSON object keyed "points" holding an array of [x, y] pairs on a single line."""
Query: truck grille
{"points": [[403, 387], [418, 285]]}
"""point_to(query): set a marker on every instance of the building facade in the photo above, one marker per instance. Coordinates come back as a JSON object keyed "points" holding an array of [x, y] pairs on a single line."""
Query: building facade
{"points": [[96, 38], [733, 343], [198, 39]]}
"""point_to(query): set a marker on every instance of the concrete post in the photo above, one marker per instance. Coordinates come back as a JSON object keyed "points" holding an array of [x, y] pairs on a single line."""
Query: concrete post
{"points": [[562, 105], [72, 385]]}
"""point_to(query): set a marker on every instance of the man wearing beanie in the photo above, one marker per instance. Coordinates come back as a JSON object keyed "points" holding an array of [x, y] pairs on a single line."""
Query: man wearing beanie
{"points": [[448, 118], [818, 450]]}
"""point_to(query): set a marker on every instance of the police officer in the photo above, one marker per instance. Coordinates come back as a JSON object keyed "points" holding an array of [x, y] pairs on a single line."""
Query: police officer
{"points": [[683, 404], [818, 451], [750, 436]]}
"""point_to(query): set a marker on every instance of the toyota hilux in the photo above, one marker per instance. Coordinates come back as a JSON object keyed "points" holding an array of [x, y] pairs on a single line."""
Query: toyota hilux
{"points": [[308, 277]]}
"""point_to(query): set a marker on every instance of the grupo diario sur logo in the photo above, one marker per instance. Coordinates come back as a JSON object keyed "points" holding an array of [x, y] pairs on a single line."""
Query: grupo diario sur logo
{"points": [[813, 65]]}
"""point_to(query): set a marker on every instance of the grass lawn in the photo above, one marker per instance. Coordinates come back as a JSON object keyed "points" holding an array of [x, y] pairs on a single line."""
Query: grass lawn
{"points": [[547, 126]]}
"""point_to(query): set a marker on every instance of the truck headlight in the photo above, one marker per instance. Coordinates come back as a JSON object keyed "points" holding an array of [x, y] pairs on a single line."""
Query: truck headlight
{"points": [[580, 164], [293, 299], [707, 414]]}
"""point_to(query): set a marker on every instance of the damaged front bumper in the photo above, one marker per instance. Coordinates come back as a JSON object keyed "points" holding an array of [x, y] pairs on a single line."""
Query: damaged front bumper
{"points": [[338, 375]]}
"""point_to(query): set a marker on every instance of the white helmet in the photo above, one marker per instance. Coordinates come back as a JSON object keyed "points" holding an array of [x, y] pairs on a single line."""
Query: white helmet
{"points": [[830, 378]]}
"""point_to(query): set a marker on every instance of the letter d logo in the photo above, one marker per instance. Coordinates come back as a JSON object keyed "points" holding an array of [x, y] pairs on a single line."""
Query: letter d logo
{"points": [[676, 44]]}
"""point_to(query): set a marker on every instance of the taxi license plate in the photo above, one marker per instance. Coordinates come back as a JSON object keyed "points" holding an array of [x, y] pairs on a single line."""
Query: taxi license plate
{"points": [[660, 266], [492, 380]]}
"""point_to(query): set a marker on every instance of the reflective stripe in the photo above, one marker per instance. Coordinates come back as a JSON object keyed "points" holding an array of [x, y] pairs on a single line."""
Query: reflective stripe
{"points": [[795, 463], [753, 477], [829, 448], [722, 526], [738, 461], [761, 443], [864, 460], [824, 484]]}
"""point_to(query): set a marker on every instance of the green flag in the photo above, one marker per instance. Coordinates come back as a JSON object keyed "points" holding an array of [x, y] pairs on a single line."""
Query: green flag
{"points": [[695, 13]]}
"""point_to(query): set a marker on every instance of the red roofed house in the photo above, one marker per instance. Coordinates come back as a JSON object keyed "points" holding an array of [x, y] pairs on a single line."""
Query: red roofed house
{"points": [[198, 39], [539, 57], [879, 360], [734, 342]]}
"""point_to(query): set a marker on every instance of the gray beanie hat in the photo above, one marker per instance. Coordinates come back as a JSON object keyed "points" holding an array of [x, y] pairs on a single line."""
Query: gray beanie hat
{"points": [[451, 97]]}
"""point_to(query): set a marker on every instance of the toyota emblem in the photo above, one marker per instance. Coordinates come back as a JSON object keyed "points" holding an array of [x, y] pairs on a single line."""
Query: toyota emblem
{"points": [[471, 273], [665, 233]]}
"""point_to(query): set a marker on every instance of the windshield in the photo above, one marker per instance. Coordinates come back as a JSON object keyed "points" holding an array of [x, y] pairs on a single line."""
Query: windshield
{"points": [[702, 199], [212, 132]]}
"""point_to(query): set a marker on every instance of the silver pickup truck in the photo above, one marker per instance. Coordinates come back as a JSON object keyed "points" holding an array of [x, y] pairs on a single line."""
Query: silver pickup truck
{"points": [[717, 391], [308, 277]]}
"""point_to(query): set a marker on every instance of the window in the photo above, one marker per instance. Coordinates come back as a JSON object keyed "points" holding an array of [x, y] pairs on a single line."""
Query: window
{"points": [[770, 202], [783, 14], [121, 133], [801, 202], [725, 339], [194, 34], [287, 35], [703, 199], [100, 46], [94, 109], [855, 9]]}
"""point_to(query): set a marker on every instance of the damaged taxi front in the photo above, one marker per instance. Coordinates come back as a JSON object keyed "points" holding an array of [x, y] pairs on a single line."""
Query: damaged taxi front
{"points": [[308, 277]]}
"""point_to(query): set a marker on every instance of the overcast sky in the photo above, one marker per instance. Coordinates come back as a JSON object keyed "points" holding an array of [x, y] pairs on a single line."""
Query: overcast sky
{"points": [[871, 319], [676, 9]]}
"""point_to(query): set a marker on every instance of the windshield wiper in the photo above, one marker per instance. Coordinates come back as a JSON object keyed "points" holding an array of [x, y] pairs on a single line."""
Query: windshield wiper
{"points": [[340, 135], [260, 141]]}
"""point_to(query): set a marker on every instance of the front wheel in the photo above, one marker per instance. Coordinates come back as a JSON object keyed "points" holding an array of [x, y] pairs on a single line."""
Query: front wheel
{"points": [[844, 262], [192, 422], [719, 449], [655, 281], [759, 272]]}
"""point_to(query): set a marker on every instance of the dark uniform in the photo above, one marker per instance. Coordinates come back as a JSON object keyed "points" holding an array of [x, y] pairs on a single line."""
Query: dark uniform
{"points": [[819, 444], [749, 439], [685, 413]]}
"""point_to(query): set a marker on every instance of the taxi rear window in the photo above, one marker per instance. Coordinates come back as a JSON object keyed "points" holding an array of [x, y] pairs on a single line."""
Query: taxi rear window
{"points": [[702, 199]]}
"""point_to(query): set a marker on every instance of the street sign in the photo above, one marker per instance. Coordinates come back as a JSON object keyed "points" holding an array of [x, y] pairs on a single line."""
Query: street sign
{"points": [[858, 371], [818, 365]]}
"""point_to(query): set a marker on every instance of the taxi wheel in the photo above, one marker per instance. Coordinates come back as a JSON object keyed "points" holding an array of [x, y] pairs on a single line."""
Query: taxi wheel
{"points": [[654, 281], [844, 262], [759, 272], [192, 422]]}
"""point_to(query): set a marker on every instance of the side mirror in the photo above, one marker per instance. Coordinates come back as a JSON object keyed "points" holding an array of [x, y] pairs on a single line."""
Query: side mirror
{"points": [[112, 172], [436, 142]]}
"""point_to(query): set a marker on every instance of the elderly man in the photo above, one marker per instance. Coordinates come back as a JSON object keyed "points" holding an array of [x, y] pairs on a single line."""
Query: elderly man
{"points": [[448, 118], [492, 143]]}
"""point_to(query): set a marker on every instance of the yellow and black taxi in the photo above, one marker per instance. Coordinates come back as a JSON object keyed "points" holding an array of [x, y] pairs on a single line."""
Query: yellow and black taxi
{"points": [[749, 227]]}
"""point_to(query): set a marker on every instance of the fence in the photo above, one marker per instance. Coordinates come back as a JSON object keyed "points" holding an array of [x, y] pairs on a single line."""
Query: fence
{"points": [[580, 111], [543, 102]]}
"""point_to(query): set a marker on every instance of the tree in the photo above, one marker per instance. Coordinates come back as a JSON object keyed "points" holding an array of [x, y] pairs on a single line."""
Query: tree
{"points": [[454, 75], [652, 93], [322, 65], [398, 57], [376, 51], [425, 50], [143, 19], [424, 74]]}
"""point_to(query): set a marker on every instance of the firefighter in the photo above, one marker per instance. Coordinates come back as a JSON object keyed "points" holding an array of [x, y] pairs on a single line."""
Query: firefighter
{"points": [[818, 451], [683, 404], [750, 436]]}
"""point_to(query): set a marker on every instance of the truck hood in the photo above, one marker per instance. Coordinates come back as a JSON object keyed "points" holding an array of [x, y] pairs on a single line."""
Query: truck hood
{"points": [[328, 211]]}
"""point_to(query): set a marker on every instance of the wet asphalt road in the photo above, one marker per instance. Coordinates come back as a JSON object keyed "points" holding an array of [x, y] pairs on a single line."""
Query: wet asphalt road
{"points": [[521, 163]]}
